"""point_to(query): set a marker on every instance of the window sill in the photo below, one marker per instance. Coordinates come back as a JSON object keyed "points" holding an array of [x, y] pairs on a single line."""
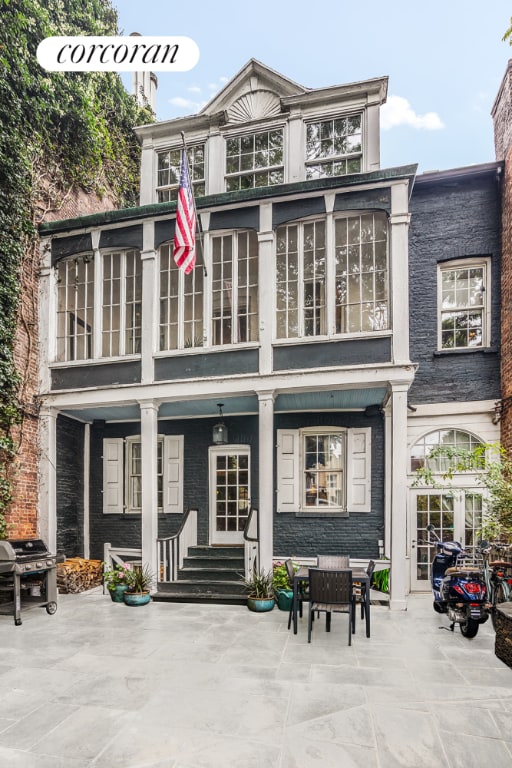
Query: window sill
{"points": [[207, 350], [324, 338], [94, 361], [465, 351], [327, 513]]}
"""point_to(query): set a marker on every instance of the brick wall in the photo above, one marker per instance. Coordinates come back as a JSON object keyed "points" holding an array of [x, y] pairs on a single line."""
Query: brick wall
{"points": [[22, 514], [502, 117]]}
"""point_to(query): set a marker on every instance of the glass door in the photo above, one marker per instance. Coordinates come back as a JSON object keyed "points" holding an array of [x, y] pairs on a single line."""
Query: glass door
{"points": [[229, 494], [456, 515]]}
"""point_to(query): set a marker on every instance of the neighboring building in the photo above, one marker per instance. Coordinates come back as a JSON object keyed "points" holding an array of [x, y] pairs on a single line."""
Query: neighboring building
{"points": [[298, 324]]}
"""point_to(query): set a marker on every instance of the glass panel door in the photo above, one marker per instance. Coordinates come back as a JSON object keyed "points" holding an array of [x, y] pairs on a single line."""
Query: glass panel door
{"points": [[456, 514], [229, 494]]}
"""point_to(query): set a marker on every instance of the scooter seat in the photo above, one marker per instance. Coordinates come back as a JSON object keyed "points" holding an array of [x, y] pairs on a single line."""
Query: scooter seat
{"points": [[461, 571], [500, 564]]}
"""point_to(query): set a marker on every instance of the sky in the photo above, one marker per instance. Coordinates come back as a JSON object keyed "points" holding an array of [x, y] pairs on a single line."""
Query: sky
{"points": [[445, 60]]}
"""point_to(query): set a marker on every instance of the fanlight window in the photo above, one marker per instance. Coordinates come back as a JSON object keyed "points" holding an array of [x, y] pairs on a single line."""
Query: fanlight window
{"points": [[438, 450]]}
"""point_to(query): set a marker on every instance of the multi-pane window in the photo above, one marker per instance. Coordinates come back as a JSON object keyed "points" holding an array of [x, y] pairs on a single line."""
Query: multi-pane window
{"points": [[134, 475], [234, 287], [168, 172], [121, 302], [301, 280], [255, 160], [231, 491], [75, 308], [181, 304], [438, 450], [323, 465], [334, 147], [463, 305], [361, 254]]}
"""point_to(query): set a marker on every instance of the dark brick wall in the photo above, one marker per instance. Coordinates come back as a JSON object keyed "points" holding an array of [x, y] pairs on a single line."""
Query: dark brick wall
{"points": [[125, 530], [70, 473], [452, 220], [356, 535]]}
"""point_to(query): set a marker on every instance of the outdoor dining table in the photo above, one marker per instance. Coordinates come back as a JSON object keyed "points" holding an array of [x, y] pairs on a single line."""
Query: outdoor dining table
{"points": [[359, 576]]}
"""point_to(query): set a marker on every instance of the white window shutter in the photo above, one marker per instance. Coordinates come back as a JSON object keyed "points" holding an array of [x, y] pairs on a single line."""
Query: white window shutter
{"points": [[173, 474], [113, 449], [288, 470], [359, 452]]}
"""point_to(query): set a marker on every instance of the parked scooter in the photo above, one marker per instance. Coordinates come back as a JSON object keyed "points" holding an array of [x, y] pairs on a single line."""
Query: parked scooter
{"points": [[458, 587]]}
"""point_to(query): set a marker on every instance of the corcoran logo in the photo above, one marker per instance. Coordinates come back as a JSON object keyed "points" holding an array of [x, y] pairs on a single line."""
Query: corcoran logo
{"points": [[118, 54]]}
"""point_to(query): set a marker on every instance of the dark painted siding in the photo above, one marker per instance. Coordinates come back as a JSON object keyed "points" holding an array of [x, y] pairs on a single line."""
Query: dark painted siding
{"points": [[325, 354], [67, 246], [70, 473], [452, 221], [104, 375], [207, 364], [356, 535]]}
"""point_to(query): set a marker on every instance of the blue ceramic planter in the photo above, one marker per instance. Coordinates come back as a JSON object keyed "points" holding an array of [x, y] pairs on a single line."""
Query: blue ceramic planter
{"points": [[260, 603], [116, 594], [284, 599], [136, 598]]}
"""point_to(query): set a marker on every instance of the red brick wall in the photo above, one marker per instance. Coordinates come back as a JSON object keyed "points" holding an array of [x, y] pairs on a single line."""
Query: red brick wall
{"points": [[506, 304], [22, 514]]}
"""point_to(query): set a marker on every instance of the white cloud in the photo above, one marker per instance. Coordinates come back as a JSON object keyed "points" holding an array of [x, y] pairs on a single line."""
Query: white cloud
{"points": [[194, 89], [398, 111], [179, 101]]}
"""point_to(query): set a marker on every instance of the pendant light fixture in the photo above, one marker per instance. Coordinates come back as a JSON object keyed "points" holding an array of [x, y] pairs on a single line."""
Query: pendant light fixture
{"points": [[220, 432]]}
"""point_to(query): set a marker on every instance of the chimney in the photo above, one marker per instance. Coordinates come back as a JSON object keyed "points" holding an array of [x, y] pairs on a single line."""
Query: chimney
{"points": [[501, 113], [144, 85]]}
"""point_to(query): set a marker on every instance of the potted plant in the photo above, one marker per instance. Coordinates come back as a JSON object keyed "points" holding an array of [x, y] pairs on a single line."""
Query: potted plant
{"points": [[281, 584], [138, 592], [117, 580], [260, 590]]}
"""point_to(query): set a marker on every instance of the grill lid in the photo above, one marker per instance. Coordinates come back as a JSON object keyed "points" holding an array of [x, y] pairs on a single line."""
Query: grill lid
{"points": [[22, 549]]}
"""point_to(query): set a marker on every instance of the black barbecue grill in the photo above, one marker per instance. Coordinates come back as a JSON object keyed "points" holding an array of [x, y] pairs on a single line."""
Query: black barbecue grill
{"points": [[28, 577]]}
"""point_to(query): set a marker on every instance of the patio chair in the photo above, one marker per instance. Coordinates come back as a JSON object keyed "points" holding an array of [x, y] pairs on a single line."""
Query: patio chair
{"points": [[334, 562], [302, 593], [360, 589], [331, 592]]}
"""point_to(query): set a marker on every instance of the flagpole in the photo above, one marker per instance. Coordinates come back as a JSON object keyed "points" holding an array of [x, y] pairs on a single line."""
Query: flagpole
{"points": [[198, 220]]}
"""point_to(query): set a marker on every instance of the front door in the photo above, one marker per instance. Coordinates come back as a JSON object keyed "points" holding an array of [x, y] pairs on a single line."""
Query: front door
{"points": [[230, 493], [456, 515]]}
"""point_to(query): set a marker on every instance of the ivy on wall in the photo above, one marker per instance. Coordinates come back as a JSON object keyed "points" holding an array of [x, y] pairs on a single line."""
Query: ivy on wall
{"points": [[59, 131]]}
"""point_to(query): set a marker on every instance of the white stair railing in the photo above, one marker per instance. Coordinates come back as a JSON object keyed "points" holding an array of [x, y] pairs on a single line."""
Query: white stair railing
{"points": [[173, 549], [251, 543]]}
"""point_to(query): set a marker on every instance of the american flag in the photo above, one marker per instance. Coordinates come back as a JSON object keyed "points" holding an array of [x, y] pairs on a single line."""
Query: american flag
{"points": [[185, 233]]}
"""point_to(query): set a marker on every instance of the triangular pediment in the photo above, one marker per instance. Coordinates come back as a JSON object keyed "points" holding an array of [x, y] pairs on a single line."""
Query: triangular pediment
{"points": [[254, 92]]}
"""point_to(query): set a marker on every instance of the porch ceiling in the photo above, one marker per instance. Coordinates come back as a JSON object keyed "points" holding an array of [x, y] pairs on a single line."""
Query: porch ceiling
{"points": [[336, 400]]}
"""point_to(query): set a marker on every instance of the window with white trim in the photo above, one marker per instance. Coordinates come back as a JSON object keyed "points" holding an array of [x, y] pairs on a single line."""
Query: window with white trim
{"points": [[169, 167], [181, 304], [353, 297], [255, 160], [234, 287], [75, 308], [464, 304], [122, 474], [121, 303], [334, 147], [324, 470], [439, 449]]}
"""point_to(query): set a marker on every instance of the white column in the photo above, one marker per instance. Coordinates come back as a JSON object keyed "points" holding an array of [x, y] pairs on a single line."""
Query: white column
{"points": [[398, 467], [47, 316], [47, 516], [149, 437], [266, 291], [399, 239], [266, 477], [87, 480], [150, 304]]}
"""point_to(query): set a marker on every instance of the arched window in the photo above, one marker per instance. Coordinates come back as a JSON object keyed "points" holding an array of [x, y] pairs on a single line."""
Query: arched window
{"points": [[455, 441]]}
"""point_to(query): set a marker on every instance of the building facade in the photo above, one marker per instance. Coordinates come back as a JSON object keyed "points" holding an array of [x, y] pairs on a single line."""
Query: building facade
{"points": [[341, 317]]}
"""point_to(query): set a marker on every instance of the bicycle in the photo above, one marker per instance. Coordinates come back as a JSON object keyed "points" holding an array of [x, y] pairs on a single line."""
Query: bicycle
{"points": [[497, 575]]}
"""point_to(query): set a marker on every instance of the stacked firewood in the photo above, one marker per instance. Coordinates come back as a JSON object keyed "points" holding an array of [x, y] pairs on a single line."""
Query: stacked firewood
{"points": [[77, 575]]}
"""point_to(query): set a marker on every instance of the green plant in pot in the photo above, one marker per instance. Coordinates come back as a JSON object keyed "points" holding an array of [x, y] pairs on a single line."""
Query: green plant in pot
{"points": [[117, 579], [281, 584], [138, 593], [260, 590]]}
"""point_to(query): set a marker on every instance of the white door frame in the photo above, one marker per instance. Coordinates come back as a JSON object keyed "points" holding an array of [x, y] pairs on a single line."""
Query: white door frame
{"points": [[225, 537]]}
